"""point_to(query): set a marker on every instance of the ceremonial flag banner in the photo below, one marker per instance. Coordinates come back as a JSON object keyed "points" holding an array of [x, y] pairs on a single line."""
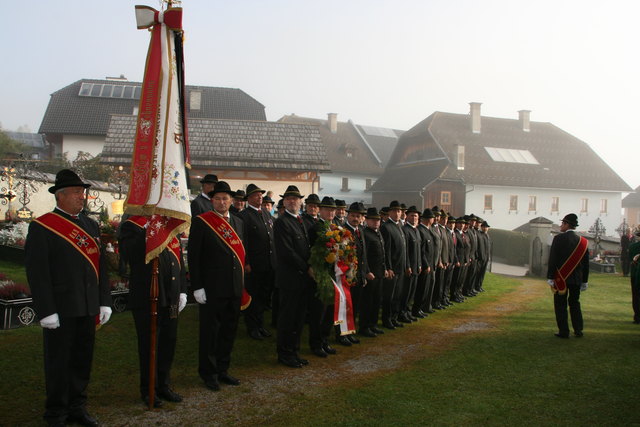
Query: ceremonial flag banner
{"points": [[158, 186]]}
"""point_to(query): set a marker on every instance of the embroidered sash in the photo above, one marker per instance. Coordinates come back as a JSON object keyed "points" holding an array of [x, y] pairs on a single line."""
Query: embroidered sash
{"points": [[75, 235], [570, 264], [228, 235], [173, 246]]}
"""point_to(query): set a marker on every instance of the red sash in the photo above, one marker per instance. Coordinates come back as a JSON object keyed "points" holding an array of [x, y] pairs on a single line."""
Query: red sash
{"points": [[570, 264], [173, 246], [75, 235], [228, 235]]}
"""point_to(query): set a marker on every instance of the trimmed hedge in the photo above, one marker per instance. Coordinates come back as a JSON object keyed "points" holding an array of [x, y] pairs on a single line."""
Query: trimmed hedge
{"points": [[510, 247]]}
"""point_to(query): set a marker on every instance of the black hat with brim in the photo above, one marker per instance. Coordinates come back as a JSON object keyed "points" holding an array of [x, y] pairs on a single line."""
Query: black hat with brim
{"points": [[427, 213], [252, 188], [384, 210], [395, 205], [267, 199], [372, 213], [341, 203], [209, 179], [328, 202], [413, 209], [67, 178], [357, 207], [292, 190], [485, 224], [571, 219], [222, 187], [312, 199]]}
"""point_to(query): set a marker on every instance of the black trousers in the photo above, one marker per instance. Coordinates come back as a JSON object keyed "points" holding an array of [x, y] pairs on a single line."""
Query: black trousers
{"points": [[408, 292], [438, 287], [388, 292], [572, 297], [370, 301], [166, 337], [429, 290], [292, 311], [469, 278], [259, 284], [420, 295], [396, 300], [218, 327], [68, 352], [320, 318], [448, 280]]}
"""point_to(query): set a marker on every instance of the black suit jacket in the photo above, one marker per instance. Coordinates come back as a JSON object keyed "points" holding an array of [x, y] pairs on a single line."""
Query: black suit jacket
{"points": [[414, 256], [258, 239], [395, 245], [200, 205], [562, 247], [427, 250], [61, 279], [361, 251], [171, 272], [376, 257], [212, 264], [293, 250], [437, 244]]}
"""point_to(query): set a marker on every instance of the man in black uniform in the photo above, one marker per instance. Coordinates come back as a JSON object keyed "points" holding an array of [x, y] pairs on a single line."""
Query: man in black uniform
{"points": [[239, 202], [354, 218], [341, 209], [63, 261], [396, 249], [311, 209], [568, 261], [371, 296], [293, 277], [216, 264], [424, 285], [202, 203], [472, 268], [260, 261], [172, 298], [414, 264]]}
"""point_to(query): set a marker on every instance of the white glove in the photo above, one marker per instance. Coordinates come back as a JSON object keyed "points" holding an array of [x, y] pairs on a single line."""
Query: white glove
{"points": [[584, 286], [551, 283], [182, 303], [200, 296], [105, 314], [52, 321]]}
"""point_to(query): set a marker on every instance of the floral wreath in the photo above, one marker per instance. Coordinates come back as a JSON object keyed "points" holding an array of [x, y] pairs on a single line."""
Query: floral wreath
{"points": [[334, 247]]}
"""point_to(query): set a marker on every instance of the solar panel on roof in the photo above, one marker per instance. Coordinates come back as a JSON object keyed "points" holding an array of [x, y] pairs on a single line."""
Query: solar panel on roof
{"points": [[509, 155]]}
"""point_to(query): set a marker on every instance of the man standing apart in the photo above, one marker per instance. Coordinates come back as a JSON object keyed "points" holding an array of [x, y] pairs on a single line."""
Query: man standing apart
{"points": [[216, 264], [63, 262], [634, 261], [568, 274]]}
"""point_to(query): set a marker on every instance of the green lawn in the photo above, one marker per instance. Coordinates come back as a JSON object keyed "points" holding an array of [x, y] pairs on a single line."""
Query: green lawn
{"points": [[516, 374]]}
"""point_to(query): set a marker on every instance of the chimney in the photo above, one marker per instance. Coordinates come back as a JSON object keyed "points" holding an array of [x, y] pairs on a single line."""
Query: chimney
{"points": [[333, 122], [524, 120], [475, 116]]}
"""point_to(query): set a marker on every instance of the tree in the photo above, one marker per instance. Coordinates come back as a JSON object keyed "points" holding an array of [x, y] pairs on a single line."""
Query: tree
{"points": [[10, 148]]}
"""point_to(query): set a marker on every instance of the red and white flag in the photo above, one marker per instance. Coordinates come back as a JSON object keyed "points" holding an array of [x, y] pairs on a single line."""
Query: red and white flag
{"points": [[158, 187]]}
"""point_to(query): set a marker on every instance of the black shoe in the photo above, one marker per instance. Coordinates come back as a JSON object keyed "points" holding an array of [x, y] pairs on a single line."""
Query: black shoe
{"points": [[412, 317], [83, 418], [264, 332], [367, 332], [57, 422], [343, 340], [636, 322], [212, 384], [169, 395], [397, 324], [303, 362], [290, 362], [430, 311], [353, 339], [562, 336], [256, 335], [481, 290], [157, 403], [228, 379], [404, 319], [578, 334], [418, 315], [319, 352], [328, 349], [389, 325], [377, 330]]}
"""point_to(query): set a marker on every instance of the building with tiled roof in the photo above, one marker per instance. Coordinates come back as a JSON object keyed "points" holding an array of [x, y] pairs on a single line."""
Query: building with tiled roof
{"points": [[355, 163], [631, 207], [507, 171], [269, 154], [78, 115]]}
